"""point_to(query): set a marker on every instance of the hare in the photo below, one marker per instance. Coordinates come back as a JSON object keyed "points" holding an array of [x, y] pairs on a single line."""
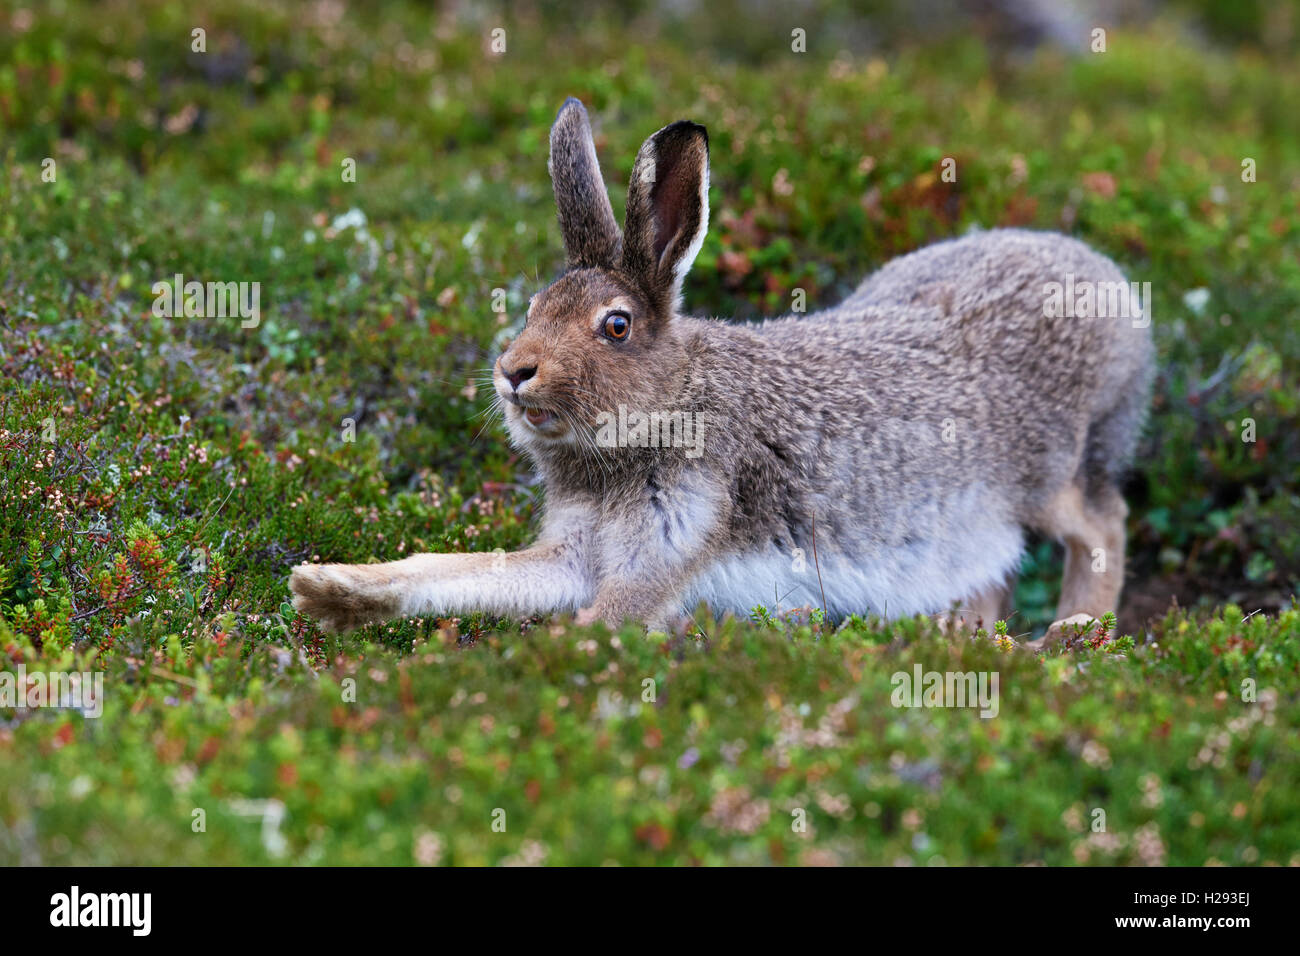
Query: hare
{"points": [[886, 455]]}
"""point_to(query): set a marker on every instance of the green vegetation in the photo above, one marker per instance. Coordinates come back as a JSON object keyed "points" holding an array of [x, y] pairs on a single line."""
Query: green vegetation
{"points": [[159, 476]]}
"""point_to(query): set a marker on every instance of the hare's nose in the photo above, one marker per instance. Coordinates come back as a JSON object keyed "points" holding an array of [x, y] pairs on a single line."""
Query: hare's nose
{"points": [[519, 375]]}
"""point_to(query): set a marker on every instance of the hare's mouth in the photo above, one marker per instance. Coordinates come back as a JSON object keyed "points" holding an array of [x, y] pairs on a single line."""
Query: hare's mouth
{"points": [[538, 417], [541, 420]]}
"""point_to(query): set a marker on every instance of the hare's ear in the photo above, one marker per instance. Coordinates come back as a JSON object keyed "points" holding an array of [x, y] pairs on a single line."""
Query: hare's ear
{"points": [[667, 210], [587, 222]]}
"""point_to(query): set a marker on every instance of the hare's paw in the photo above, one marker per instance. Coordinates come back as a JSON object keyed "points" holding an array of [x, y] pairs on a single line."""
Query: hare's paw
{"points": [[612, 617], [590, 615], [953, 625], [1076, 625], [339, 597]]}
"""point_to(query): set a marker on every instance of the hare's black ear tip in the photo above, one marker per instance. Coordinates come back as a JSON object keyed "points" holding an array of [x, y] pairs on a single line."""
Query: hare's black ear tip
{"points": [[685, 130]]}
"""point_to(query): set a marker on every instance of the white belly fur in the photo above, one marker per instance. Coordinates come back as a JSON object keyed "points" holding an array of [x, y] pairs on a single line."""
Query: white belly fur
{"points": [[921, 577]]}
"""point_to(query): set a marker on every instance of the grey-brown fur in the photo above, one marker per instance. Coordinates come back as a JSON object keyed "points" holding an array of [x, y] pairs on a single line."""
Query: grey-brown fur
{"points": [[919, 426], [586, 218]]}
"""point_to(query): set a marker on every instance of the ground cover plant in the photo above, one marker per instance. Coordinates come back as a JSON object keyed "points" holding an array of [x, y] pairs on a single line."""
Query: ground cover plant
{"points": [[382, 174]]}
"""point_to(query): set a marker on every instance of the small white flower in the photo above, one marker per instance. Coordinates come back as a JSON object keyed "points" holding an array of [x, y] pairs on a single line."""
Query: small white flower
{"points": [[1196, 299]]}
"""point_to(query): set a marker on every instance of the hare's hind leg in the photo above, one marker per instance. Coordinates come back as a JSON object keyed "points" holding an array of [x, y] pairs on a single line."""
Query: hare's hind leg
{"points": [[1090, 523]]}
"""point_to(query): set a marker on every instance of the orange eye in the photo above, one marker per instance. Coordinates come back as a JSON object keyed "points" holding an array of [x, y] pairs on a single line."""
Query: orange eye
{"points": [[618, 326]]}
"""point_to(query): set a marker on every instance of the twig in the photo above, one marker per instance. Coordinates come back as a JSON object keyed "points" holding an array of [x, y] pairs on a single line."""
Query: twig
{"points": [[95, 610], [818, 566], [218, 511], [176, 677]]}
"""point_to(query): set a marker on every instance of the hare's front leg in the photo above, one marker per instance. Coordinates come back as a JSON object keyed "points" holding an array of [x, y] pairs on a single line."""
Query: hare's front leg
{"points": [[654, 604], [646, 558], [539, 580]]}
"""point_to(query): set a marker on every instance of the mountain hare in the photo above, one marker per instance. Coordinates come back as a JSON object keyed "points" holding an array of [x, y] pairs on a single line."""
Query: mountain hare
{"points": [[885, 455]]}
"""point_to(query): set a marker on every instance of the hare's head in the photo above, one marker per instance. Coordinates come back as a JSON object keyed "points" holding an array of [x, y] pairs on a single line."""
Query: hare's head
{"points": [[603, 334]]}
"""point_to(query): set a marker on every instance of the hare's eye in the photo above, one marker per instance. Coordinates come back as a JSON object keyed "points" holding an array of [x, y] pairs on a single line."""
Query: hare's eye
{"points": [[617, 326]]}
